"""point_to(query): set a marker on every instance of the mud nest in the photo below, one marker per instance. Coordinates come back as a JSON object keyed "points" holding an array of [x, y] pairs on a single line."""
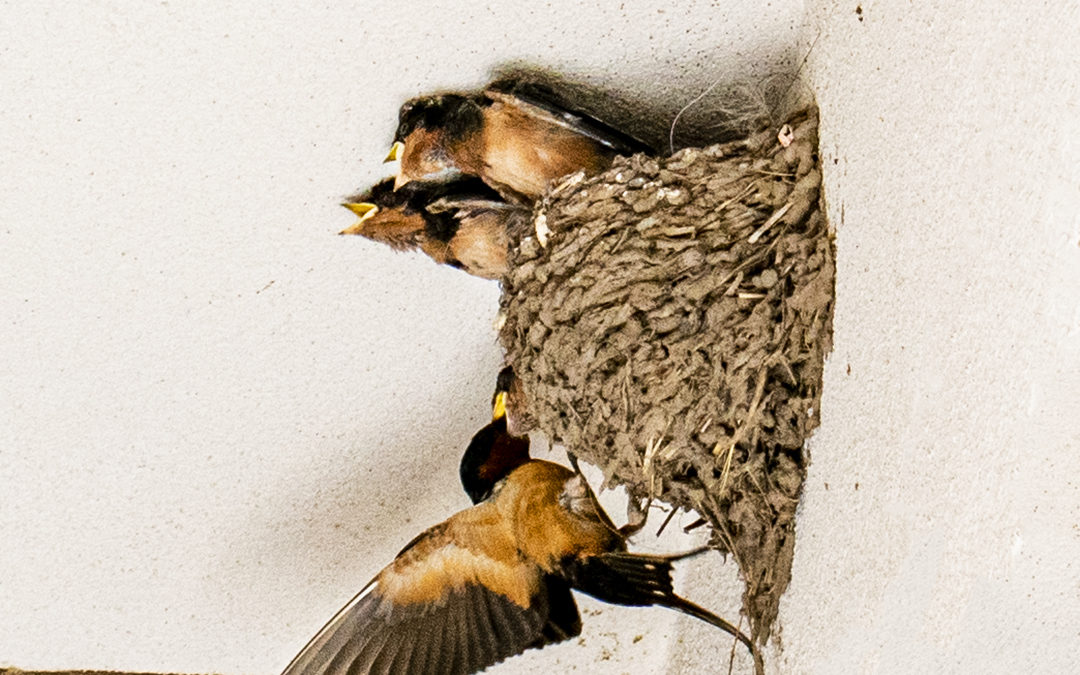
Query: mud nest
{"points": [[668, 321]]}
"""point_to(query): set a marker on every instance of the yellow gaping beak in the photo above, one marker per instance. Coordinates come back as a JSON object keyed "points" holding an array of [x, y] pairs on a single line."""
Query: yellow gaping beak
{"points": [[499, 409], [362, 209], [395, 152]]}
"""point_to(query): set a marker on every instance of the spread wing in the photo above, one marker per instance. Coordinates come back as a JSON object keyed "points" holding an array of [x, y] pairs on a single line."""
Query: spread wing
{"points": [[541, 101], [454, 601]]}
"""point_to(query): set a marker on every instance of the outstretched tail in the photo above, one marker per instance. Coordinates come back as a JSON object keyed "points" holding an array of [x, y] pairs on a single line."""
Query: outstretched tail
{"points": [[640, 579], [687, 607]]}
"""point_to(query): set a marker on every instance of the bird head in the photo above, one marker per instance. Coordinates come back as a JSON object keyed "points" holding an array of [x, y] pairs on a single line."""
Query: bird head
{"points": [[386, 216], [431, 131], [493, 453]]}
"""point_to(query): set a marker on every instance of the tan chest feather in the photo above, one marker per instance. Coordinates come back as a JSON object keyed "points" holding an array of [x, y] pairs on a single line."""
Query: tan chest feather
{"points": [[526, 153], [480, 245], [545, 529]]}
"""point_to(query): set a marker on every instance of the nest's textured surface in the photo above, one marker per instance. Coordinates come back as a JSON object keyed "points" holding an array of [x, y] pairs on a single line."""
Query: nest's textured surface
{"points": [[673, 331]]}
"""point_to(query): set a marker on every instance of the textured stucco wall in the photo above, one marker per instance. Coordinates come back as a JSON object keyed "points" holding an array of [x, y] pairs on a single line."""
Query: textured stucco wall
{"points": [[940, 526], [218, 419]]}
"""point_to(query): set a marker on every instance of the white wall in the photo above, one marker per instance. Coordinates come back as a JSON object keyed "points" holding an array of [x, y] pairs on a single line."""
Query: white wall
{"points": [[218, 419], [939, 529]]}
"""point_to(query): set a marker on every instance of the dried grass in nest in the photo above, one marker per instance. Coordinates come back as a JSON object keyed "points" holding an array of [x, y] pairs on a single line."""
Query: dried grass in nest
{"points": [[673, 330]]}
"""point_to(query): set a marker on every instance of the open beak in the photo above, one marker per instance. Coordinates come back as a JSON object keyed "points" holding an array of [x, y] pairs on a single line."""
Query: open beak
{"points": [[499, 409], [395, 152], [362, 209]]}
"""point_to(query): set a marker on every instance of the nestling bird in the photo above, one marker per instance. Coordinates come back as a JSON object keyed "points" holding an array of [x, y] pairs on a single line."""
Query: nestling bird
{"points": [[516, 136], [495, 579], [493, 451], [462, 223], [519, 420]]}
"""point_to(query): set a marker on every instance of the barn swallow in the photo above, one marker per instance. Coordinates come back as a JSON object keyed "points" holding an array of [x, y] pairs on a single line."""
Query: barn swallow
{"points": [[493, 451], [516, 136], [495, 579], [510, 394], [462, 223]]}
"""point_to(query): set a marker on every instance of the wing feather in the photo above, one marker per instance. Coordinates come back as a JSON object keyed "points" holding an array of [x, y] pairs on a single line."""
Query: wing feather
{"points": [[477, 621], [456, 600], [409, 660], [541, 101], [380, 658], [433, 650], [460, 639], [486, 641], [318, 655]]}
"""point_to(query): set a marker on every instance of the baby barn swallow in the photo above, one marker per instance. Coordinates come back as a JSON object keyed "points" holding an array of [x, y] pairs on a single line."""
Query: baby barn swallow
{"points": [[462, 223], [495, 579], [514, 135]]}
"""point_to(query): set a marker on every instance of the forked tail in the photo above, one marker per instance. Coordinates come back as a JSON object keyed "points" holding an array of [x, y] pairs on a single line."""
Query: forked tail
{"points": [[638, 579]]}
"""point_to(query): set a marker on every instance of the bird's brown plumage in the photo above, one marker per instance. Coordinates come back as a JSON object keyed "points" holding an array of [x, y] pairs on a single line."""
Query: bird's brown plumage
{"points": [[479, 587], [495, 579], [481, 241], [517, 137], [522, 149], [462, 223]]}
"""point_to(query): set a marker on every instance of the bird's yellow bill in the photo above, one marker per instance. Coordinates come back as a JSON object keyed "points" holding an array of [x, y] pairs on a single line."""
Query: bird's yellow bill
{"points": [[400, 180], [395, 152], [362, 209], [499, 409]]}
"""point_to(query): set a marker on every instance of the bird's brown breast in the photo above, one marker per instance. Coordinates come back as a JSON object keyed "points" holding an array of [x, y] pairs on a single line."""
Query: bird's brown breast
{"points": [[480, 244], [544, 528], [504, 544], [525, 153]]}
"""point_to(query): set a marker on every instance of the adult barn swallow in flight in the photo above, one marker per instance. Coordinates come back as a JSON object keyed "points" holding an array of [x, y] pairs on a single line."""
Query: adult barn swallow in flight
{"points": [[495, 579], [516, 136], [462, 223]]}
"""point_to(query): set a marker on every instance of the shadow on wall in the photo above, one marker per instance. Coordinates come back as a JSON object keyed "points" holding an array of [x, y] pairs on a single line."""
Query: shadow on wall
{"points": [[646, 105]]}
